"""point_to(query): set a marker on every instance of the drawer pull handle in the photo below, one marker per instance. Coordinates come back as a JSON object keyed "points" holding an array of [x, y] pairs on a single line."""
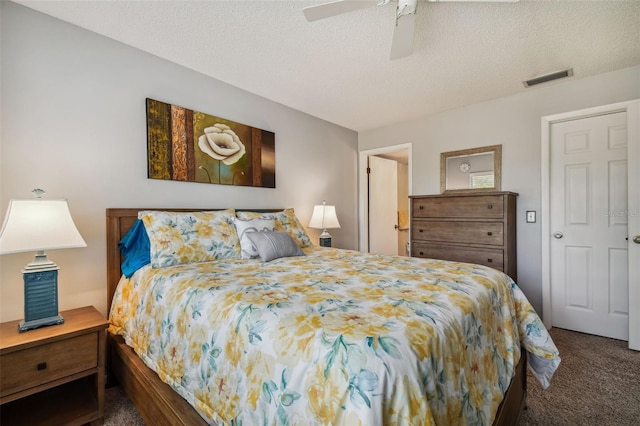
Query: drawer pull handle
{"points": [[489, 233], [490, 206], [489, 260], [419, 230], [421, 253], [42, 366]]}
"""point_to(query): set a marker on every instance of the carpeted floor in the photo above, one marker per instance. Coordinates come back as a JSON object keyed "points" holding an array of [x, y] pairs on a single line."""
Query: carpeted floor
{"points": [[597, 384], [119, 410]]}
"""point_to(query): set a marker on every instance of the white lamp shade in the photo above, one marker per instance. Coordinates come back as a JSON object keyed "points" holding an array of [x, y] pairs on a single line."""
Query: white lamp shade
{"points": [[32, 225], [324, 217]]}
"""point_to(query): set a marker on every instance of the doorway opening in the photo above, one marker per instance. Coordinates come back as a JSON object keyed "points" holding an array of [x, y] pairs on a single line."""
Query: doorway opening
{"points": [[385, 186]]}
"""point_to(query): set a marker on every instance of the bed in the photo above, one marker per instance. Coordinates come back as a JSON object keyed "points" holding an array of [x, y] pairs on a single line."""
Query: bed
{"points": [[366, 387]]}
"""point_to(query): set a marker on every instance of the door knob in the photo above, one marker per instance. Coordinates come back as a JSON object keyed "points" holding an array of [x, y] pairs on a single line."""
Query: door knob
{"points": [[558, 235], [636, 239]]}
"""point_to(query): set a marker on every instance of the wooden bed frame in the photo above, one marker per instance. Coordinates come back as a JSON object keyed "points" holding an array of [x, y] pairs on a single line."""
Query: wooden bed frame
{"points": [[157, 403]]}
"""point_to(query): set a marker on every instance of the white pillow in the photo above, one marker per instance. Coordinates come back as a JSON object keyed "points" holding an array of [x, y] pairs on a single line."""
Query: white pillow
{"points": [[286, 220], [248, 249]]}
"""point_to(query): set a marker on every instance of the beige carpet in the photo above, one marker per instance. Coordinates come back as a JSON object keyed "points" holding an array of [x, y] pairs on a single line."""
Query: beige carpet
{"points": [[597, 384]]}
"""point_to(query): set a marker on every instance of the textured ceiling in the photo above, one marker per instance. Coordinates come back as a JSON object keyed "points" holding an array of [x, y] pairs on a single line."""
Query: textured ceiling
{"points": [[338, 69]]}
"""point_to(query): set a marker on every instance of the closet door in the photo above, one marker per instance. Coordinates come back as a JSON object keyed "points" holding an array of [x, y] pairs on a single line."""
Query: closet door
{"points": [[589, 222]]}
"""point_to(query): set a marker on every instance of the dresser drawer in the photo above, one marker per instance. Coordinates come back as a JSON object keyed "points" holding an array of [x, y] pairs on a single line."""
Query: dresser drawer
{"points": [[35, 366], [480, 256], [481, 206], [490, 233]]}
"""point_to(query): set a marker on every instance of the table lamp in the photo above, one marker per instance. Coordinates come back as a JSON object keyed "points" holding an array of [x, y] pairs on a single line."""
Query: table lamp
{"points": [[39, 225], [324, 217]]}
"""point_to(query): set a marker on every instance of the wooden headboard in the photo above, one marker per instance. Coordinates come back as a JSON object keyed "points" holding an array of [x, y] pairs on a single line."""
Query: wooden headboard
{"points": [[119, 221]]}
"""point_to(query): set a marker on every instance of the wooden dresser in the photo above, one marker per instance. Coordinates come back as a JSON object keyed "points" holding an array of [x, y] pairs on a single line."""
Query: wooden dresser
{"points": [[476, 228]]}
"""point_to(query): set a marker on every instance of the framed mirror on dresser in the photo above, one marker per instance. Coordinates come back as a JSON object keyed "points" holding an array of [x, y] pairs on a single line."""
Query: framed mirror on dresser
{"points": [[471, 170]]}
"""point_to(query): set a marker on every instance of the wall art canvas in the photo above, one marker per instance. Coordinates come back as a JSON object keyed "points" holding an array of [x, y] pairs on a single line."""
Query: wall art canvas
{"points": [[192, 146]]}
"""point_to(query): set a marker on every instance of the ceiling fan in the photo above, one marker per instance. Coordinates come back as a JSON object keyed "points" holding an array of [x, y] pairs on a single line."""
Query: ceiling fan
{"points": [[402, 43]]}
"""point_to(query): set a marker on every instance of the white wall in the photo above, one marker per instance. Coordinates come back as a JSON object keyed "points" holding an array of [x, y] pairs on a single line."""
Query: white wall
{"points": [[514, 122], [73, 124]]}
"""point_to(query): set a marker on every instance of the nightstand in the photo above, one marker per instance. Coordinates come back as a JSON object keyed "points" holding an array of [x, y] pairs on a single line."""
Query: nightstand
{"points": [[54, 375]]}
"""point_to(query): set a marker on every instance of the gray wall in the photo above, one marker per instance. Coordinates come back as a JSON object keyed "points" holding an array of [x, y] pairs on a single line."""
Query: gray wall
{"points": [[514, 122], [73, 124]]}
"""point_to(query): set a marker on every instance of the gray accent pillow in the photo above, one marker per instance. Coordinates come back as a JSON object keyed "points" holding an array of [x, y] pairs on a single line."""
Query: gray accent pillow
{"points": [[273, 245], [245, 226]]}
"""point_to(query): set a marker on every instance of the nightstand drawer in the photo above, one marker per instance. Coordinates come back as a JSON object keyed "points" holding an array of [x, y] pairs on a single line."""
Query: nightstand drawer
{"points": [[41, 364]]}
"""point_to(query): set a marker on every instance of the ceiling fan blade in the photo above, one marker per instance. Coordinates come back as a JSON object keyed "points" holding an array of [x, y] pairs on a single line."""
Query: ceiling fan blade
{"points": [[402, 44], [327, 10]]}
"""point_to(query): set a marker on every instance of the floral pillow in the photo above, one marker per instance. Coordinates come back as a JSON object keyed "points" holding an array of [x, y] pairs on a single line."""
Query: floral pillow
{"points": [[286, 220], [246, 226], [188, 237]]}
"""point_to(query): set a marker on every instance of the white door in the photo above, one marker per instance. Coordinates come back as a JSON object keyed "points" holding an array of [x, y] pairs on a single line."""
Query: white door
{"points": [[589, 214], [633, 204], [383, 206]]}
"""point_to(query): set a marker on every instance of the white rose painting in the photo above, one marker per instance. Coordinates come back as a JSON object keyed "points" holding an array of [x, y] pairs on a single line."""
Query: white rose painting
{"points": [[221, 143], [191, 146]]}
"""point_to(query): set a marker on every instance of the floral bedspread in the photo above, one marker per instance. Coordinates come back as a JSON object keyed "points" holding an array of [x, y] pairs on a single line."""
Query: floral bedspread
{"points": [[336, 337]]}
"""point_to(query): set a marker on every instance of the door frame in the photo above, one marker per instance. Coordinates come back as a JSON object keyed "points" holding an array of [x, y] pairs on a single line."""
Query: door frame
{"points": [[632, 109], [363, 188]]}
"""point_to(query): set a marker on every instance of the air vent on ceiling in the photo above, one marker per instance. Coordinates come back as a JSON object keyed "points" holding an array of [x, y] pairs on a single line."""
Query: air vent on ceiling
{"points": [[548, 77]]}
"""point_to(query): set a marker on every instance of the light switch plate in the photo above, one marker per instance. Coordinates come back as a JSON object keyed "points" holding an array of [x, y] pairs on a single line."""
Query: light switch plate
{"points": [[531, 216]]}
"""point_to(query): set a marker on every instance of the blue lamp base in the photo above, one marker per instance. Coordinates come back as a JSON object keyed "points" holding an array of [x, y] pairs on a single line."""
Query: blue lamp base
{"points": [[40, 298], [325, 239], [30, 325]]}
